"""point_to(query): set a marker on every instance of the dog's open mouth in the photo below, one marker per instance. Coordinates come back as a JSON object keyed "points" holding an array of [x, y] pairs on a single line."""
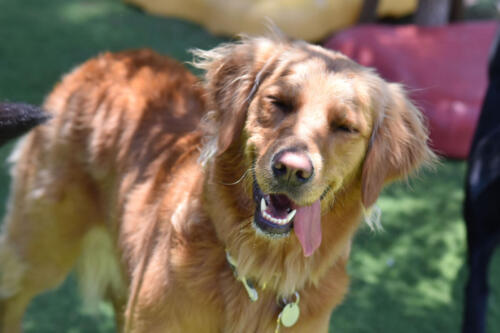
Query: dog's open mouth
{"points": [[276, 215]]}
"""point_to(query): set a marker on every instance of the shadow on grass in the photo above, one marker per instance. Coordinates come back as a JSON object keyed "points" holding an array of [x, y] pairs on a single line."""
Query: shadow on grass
{"points": [[61, 310]]}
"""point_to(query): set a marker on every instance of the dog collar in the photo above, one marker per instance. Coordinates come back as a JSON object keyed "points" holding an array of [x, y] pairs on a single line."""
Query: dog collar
{"points": [[249, 286], [290, 309]]}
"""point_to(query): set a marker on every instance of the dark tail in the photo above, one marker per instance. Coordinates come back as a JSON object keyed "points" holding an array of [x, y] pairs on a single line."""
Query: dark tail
{"points": [[18, 118]]}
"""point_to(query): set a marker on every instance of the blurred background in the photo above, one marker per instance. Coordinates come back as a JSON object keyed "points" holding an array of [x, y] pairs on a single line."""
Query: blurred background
{"points": [[408, 278]]}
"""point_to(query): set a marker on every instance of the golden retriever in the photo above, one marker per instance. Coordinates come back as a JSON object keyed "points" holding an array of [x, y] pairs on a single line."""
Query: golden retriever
{"points": [[205, 207]]}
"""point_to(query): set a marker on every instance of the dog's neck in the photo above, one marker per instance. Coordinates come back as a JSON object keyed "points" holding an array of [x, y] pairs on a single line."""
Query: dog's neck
{"points": [[274, 264]]}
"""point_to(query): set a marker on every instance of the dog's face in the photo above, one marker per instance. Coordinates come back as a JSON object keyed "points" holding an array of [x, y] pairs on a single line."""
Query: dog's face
{"points": [[308, 129], [309, 123]]}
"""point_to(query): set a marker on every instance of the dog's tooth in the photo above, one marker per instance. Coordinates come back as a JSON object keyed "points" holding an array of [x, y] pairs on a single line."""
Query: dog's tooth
{"points": [[291, 215], [263, 205], [276, 220]]}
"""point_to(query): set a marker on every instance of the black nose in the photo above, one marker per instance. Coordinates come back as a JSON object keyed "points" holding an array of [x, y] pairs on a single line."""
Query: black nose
{"points": [[293, 168]]}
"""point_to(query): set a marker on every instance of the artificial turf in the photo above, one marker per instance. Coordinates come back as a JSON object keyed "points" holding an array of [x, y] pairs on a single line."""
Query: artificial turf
{"points": [[408, 278]]}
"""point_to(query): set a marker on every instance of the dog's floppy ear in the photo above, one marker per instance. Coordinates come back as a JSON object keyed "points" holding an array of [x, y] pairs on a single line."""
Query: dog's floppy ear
{"points": [[398, 146], [18, 118], [234, 72]]}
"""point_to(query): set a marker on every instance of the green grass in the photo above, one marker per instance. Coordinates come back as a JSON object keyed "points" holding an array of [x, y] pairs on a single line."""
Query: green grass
{"points": [[408, 278]]}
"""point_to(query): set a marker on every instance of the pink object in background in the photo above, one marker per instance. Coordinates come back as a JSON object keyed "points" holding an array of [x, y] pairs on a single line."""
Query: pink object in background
{"points": [[443, 68]]}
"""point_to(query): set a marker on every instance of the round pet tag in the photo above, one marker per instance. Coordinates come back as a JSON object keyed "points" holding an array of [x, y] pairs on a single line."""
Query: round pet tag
{"points": [[290, 314]]}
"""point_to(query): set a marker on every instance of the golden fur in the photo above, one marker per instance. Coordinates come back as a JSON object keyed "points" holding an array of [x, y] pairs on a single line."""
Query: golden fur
{"points": [[117, 174]]}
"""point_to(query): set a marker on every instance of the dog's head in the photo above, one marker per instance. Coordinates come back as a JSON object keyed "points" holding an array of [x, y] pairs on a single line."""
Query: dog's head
{"points": [[309, 124]]}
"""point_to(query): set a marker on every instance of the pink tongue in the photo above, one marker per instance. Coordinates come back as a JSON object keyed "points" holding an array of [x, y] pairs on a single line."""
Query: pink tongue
{"points": [[307, 226]]}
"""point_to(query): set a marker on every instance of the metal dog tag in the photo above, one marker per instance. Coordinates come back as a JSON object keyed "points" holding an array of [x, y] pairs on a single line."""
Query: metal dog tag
{"points": [[290, 314]]}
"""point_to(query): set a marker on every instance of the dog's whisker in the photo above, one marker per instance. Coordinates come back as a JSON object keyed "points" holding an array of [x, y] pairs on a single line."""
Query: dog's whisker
{"points": [[239, 180]]}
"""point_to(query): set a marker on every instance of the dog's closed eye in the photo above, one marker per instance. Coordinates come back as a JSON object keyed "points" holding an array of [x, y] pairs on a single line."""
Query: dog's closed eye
{"points": [[281, 104], [343, 128]]}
